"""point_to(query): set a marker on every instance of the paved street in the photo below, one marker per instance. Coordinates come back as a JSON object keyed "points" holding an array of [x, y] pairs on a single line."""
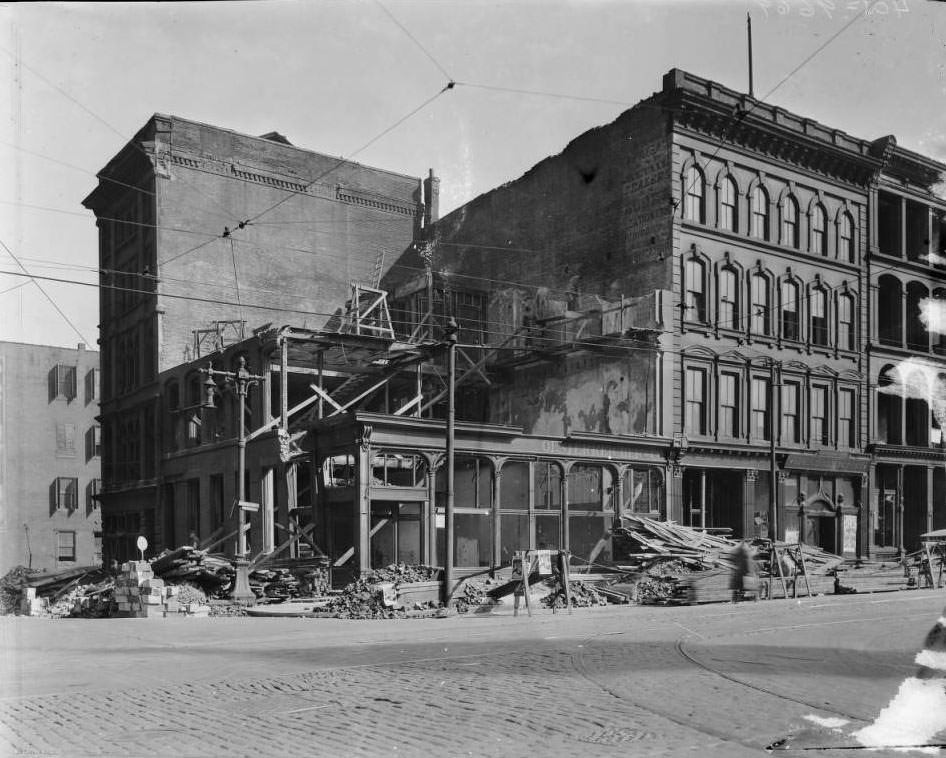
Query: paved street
{"points": [[715, 680]]}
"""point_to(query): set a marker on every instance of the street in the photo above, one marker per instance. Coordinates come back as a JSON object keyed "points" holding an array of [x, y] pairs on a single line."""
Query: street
{"points": [[714, 680]]}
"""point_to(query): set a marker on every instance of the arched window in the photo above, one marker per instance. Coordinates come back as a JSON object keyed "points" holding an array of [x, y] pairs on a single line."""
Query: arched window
{"points": [[918, 338], [889, 310], [917, 410], [695, 284], [789, 312], [819, 230], [846, 336], [846, 238], [727, 314], [819, 317], [789, 221], [889, 407], [937, 320], [760, 213], [728, 210], [693, 207], [759, 316]]}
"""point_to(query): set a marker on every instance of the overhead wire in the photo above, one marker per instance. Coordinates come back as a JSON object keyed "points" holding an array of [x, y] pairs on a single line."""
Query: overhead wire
{"points": [[42, 289], [740, 115]]}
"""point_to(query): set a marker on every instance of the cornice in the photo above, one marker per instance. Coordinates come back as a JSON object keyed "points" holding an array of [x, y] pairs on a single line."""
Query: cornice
{"points": [[842, 159]]}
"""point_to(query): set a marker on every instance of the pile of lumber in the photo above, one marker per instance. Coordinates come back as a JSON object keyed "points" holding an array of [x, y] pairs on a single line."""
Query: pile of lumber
{"points": [[645, 541], [214, 574]]}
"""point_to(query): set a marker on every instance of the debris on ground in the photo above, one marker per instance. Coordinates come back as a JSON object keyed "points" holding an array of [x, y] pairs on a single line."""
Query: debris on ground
{"points": [[373, 595], [11, 586], [583, 595]]}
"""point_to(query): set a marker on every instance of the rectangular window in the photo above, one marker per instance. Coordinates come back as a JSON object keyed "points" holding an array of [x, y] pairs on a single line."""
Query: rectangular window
{"points": [[65, 546], [695, 291], [759, 318], [819, 317], [66, 490], [92, 383], [728, 315], [93, 443], [65, 440], [790, 412], [695, 422], [760, 409], [846, 429], [819, 416], [729, 405], [62, 382], [790, 311], [845, 323], [93, 491]]}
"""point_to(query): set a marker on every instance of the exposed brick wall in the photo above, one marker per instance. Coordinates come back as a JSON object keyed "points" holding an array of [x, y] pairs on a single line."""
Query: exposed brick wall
{"points": [[592, 219]]}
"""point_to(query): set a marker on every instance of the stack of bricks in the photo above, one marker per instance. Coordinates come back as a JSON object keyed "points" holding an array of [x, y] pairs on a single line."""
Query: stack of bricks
{"points": [[140, 594]]}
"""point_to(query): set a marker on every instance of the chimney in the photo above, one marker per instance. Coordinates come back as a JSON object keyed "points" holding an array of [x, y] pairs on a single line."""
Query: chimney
{"points": [[431, 199]]}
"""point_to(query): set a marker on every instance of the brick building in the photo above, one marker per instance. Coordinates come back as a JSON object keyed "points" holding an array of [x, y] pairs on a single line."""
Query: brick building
{"points": [[176, 283], [50, 453], [797, 262]]}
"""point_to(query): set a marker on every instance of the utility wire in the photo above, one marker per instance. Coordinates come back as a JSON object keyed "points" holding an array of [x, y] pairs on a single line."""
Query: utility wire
{"points": [[19, 61], [740, 116], [414, 39], [43, 290], [557, 95], [537, 339]]}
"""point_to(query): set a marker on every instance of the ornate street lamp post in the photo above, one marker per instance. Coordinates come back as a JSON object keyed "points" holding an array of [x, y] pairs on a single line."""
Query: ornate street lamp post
{"points": [[242, 380]]}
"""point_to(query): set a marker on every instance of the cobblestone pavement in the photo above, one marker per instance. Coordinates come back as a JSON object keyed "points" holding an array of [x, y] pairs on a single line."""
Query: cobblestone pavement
{"points": [[637, 683]]}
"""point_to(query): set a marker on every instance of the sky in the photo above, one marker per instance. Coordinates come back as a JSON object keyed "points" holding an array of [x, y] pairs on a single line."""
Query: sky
{"points": [[79, 79]]}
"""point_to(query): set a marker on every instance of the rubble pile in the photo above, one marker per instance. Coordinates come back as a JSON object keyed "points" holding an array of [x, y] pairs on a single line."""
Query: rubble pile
{"points": [[471, 594], [365, 597], [11, 587], [583, 595]]}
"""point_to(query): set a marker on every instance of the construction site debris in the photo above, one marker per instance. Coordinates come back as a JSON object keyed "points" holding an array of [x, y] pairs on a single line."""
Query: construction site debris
{"points": [[366, 598], [583, 595], [11, 587]]}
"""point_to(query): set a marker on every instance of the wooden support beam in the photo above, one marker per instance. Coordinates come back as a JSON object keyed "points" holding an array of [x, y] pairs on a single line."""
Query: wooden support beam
{"points": [[275, 422], [320, 393], [410, 404], [370, 391]]}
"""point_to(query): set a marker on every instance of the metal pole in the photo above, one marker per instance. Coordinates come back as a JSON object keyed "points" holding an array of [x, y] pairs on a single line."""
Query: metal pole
{"points": [[241, 465], [451, 419], [749, 33], [773, 492]]}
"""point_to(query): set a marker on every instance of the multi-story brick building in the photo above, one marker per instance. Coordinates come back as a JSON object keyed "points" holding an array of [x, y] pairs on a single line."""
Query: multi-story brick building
{"points": [[204, 235], [797, 260], [50, 454]]}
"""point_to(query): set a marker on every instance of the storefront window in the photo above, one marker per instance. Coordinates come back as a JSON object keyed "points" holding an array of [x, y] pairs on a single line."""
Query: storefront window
{"points": [[472, 483], [590, 488], [514, 486], [339, 471], [548, 531], [398, 470], [514, 535], [589, 539], [548, 486], [472, 540], [643, 491]]}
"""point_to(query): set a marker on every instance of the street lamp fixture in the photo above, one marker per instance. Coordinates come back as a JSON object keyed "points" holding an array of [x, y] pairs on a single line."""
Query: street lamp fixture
{"points": [[242, 380]]}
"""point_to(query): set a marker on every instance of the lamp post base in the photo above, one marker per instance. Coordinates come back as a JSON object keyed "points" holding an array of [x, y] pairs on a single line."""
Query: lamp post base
{"points": [[241, 592]]}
